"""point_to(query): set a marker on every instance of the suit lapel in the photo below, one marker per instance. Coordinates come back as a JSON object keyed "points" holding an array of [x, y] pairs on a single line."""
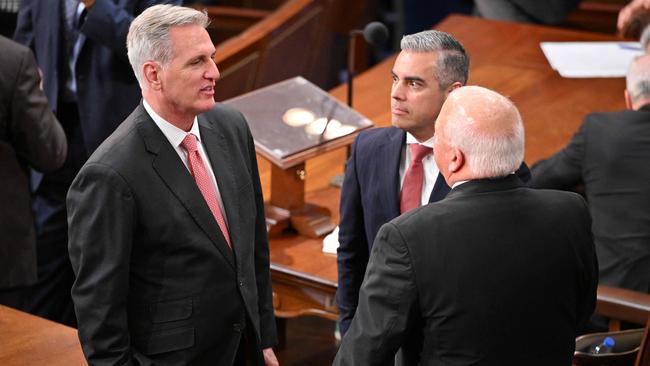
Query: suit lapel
{"points": [[391, 153], [440, 189], [221, 160], [172, 171]]}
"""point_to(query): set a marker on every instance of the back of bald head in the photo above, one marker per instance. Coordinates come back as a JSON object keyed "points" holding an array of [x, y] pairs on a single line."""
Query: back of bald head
{"points": [[487, 128], [638, 80]]}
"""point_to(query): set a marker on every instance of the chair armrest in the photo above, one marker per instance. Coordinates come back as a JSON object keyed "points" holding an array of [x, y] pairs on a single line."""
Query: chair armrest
{"points": [[622, 304]]}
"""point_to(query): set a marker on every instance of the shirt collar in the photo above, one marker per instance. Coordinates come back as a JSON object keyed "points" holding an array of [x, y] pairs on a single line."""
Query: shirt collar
{"points": [[410, 139], [174, 134], [459, 183]]}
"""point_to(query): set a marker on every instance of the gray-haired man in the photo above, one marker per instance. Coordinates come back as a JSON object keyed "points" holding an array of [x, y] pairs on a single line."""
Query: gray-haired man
{"points": [[608, 155], [167, 233]]}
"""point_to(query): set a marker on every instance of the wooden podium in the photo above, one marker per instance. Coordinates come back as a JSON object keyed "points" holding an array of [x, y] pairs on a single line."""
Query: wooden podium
{"points": [[292, 121]]}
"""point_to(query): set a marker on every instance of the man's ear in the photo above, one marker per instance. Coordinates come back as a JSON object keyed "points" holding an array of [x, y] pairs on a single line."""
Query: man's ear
{"points": [[151, 73], [628, 99], [457, 160], [452, 87]]}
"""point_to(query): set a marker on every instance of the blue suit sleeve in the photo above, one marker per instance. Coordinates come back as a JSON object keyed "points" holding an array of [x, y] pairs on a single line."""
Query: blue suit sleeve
{"points": [[352, 256], [24, 33], [108, 23]]}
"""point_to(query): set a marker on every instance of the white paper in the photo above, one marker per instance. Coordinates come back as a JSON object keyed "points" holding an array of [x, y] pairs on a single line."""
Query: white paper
{"points": [[331, 242], [591, 59]]}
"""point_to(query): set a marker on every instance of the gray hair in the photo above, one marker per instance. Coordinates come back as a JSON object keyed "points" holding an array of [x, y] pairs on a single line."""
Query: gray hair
{"points": [[453, 61], [489, 154], [637, 79], [148, 38]]}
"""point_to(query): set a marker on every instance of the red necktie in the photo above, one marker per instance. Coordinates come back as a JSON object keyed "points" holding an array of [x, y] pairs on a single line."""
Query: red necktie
{"points": [[203, 180], [411, 195]]}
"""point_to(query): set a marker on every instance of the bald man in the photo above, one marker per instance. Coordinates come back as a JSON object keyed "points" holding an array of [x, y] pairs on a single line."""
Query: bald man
{"points": [[608, 155], [494, 274]]}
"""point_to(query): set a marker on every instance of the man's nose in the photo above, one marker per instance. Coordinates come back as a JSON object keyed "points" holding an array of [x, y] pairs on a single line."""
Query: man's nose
{"points": [[213, 72], [396, 91]]}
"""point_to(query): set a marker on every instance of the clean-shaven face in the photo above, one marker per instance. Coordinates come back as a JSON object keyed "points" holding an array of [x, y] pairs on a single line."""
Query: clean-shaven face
{"points": [[188, 79], [416, 97]]}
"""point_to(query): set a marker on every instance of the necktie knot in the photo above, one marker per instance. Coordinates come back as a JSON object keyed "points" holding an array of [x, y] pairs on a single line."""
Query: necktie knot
{"points": [[189, 143], [419, 151]]}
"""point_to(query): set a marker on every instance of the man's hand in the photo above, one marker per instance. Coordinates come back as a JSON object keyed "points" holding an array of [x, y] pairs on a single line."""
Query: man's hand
{"points": [[633, 18], [269, 357]]}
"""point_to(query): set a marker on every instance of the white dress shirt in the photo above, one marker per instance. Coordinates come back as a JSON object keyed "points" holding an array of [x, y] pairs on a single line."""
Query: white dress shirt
{"points": [[431, 170], [175, 136]]}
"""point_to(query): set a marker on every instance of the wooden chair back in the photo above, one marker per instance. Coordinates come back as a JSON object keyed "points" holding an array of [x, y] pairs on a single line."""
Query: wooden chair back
{"points": [[622, 305], [643, 358]]}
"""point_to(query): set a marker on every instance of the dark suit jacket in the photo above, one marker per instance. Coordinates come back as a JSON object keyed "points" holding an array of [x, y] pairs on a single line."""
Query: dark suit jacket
{"points": [[106, 86], [156, 281], [30, 135], [494, 274], [545, 12], [369, 199], [608, 154]]}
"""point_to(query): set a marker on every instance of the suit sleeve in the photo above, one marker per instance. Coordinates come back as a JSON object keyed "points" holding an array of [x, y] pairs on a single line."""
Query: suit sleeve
{"points": [[387, 298], [24, 33], [564, 169], [101, 214], [107, 23], [268, 333], [352, 254], [37, 135]]}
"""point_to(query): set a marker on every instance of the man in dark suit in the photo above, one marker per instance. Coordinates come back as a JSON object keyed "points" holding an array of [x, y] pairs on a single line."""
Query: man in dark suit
{"points": [[167, 230], [494, 274], [430, 66], [529, 11], [30, 135], [607, 155], [80, 46]]}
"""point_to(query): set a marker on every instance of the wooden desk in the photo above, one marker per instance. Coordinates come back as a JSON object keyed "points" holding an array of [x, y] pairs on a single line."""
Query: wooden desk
{"points": [[505, 57], [27, 340]]}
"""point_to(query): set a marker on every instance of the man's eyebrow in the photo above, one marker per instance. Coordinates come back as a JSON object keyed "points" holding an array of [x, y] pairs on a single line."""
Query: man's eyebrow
{"points": [[408, 78], [414, 78]]}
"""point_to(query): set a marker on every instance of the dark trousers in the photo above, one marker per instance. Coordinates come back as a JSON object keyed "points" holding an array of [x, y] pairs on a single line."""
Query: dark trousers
{"points": [[50, 296]]}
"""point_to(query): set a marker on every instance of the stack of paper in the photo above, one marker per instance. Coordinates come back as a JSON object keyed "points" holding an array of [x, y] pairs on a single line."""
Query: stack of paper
{"points": [[591, 59]]}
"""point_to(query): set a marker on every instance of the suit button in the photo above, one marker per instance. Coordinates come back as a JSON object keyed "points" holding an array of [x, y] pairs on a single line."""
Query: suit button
{"points": [[237, 327], [241, 283]]}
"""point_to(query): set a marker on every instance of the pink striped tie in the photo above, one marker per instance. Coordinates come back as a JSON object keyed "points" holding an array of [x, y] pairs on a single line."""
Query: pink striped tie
{"points": [[411, 195], [204, 182]]}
